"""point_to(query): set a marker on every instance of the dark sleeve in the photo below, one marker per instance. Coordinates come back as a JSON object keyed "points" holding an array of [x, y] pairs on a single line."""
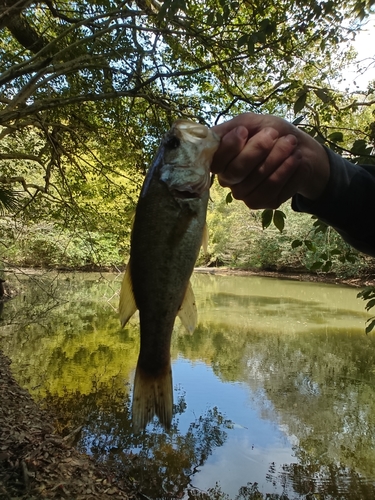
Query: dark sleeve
{"points": [[347, 204]]}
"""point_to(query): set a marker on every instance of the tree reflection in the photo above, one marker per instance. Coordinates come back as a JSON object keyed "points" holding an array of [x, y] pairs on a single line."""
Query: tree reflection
{"points": [[160, 464], [329, 482], [316, 384]]}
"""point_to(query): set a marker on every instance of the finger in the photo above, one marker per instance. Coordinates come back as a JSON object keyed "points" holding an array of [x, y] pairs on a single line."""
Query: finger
{"points": [[279, 186], [252, 155], [281, 150], [231, 145], [252, 121]]}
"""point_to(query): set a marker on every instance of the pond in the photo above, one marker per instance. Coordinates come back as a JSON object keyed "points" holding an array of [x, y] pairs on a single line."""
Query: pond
{"points": [[274, 393]]}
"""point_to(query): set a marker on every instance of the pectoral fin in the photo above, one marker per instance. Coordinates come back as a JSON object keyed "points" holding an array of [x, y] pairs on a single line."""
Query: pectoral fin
{"points": [[188, 311], [127, 306]]}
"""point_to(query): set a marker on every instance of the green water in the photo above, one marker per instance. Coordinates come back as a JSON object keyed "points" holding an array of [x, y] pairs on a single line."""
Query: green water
{"points": [[274, 392]]}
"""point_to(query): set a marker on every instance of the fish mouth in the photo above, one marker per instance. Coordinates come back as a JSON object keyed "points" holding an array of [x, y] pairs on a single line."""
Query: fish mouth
{"points": [[184, 195], [191, 131]]}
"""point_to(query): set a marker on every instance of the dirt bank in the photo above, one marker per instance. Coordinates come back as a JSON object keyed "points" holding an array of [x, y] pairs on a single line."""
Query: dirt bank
{"points": [[361, 281], [35, 463]]}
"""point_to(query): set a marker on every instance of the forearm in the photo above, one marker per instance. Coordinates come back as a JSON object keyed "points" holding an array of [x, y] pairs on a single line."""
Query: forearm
{"points": [[347, 203]]}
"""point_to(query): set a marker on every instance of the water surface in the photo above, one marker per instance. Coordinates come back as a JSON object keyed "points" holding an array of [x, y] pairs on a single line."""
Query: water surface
{"points": [[274, 392]]}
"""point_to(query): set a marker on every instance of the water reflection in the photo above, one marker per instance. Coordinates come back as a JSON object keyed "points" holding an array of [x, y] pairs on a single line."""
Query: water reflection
{"points": [[274, 391]]}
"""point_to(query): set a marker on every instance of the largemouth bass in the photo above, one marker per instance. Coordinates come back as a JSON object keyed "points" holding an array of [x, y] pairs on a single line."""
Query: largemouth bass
{"points": [[166, 237]]}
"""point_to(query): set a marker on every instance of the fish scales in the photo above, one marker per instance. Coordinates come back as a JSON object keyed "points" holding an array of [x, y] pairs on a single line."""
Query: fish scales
{"points": [[166, 237], [162, 260]]}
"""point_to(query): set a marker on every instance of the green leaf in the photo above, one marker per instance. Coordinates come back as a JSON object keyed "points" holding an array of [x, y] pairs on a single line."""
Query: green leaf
{"points": [[226, 12], [242, 40], [366, 293], [261, 35], [336, 137], [165, 9], [296, 243], [267, 217], [371, 325], [317, 265], [359, 147], [210, 18], [251, 46], [300, 103], [170, 7], [279, 220], [327, 266], [310, 245], [229, 198], [323, 95], [320, 226], [336, 251], [10, 200], [298, 120]]}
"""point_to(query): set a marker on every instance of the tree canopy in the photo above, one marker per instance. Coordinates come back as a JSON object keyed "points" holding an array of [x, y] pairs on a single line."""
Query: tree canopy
{"points": [[88, 88], [83, 75]]}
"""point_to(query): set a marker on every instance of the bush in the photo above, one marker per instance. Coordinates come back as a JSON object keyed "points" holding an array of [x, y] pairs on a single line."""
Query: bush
{"points": [[45, 245], [238, 240]]}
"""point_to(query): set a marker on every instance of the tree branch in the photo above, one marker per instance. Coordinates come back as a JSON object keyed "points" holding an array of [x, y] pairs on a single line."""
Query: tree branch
{"points": [[20, 156]]}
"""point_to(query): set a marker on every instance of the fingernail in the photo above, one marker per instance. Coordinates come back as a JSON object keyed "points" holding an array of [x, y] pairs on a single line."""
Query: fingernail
{"points": [[242, 132], [272, 132], [292, 139]]}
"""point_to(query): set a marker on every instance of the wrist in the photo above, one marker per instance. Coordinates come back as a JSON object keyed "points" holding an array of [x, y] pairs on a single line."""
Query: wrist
{"points": [[315, 167]]}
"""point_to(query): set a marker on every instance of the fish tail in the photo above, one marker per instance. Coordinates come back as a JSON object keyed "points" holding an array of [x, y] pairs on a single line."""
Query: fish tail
{"points": [[152, 395]]}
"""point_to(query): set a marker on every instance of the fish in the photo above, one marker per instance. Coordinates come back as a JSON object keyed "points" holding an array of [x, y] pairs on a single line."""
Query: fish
{"points": [[168, 229]]}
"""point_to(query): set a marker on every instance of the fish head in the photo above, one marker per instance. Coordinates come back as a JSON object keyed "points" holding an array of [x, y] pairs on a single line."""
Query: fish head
{"points": [[187, 151]]}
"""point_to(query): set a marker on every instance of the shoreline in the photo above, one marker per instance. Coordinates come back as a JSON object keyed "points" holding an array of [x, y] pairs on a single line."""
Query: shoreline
{"points": [[36, 462], [291, 274], [294, 275]]}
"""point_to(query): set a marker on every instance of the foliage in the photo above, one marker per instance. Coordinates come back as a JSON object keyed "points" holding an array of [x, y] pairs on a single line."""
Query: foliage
{"points": [[9, 200], [369, 294], [88, 88], [238, 239], [50, 246]]}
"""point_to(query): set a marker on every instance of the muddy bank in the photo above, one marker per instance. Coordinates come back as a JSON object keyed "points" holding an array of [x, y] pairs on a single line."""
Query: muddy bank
{"points": [[357, 281], [292, 274]]}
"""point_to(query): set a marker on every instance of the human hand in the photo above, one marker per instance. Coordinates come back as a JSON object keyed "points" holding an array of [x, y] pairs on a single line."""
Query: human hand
{"points": [[265, 160]]}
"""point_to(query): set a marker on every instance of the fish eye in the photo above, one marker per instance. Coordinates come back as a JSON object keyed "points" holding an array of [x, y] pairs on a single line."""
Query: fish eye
{"points": [[173, 142]]}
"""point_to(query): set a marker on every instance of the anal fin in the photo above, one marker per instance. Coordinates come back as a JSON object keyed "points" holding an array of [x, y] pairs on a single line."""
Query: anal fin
{"points": [[188, 310], [127, 305]]}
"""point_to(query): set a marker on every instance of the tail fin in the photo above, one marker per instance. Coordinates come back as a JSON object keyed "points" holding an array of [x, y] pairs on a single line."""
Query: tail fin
{"points": [[152, 395]]}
